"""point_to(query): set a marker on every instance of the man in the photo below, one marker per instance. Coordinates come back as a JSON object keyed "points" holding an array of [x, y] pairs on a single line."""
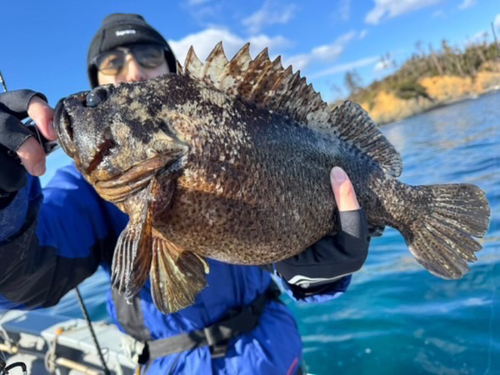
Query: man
{"points": [[49, 243]]}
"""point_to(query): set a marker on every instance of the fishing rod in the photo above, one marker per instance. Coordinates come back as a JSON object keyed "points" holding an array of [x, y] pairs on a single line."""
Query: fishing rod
{"points": [[2, 81]]}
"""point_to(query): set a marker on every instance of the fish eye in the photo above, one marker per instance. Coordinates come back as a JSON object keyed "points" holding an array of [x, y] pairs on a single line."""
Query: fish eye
{"points": [[96, 97]]}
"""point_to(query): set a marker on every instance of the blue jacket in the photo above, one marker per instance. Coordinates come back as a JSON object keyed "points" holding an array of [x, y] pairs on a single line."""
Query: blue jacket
{"points": [[75, 233], [50, 242]]}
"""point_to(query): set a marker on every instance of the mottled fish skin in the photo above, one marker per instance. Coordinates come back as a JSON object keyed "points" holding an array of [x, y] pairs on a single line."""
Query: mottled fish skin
{"points": [[231, 159], [246, 174], [246, 171]]}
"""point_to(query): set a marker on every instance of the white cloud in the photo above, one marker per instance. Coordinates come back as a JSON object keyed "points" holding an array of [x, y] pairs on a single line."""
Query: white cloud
{"points": [[394, 8], [345, 67], [466, 4], [272, 12], [362, 34], [381, 66], [196, 2], [298, 62], [478, 37], [385, 66], [204, 41], [327, 52], [496, 23], [437, 13], [345, 9], [324, 53], [203, 10]]}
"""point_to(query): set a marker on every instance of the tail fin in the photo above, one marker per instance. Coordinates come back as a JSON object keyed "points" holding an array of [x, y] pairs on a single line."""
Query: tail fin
{"points": [[441, 239]]}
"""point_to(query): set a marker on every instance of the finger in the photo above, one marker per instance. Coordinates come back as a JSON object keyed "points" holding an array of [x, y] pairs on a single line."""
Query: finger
{"points": [[32, 157], [43, 115], [345, 196]]}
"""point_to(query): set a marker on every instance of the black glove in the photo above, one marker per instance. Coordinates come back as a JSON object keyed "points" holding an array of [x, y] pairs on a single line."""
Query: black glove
{"points": [[13, 133], [328, 260]]}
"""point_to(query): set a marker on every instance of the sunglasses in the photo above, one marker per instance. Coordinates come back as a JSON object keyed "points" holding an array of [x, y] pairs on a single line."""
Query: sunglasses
{"points": [[148, 56]]}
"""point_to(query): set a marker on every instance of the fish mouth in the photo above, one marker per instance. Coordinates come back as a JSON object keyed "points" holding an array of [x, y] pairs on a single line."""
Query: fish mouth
{"points": [[63, 125], [136, 178], [63, 128]]}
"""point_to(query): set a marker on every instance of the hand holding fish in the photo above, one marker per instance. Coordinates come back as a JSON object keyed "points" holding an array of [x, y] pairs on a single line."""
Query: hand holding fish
{"points": [[14, 135], [314, 270]]}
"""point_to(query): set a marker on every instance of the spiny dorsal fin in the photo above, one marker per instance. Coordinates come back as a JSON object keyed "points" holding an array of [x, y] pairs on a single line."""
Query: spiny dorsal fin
{"points": [[268, 85], [214, 64], [193, 67], [232, 74], [178, 67]]}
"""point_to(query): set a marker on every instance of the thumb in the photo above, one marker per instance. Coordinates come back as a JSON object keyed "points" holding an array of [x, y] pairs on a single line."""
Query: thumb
{"points": [[345, 196]]}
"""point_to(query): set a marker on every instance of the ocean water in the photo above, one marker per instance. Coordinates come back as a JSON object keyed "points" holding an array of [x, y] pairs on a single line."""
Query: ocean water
{"points": [[396, 318]]}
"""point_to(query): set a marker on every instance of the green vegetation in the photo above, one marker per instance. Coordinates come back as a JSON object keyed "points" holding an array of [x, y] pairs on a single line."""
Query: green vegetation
{"points": [[404, 83]]}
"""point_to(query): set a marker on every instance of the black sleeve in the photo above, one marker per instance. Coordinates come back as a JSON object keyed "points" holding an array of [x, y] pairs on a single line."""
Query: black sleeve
{"points": [[48, 255], [35, 276]]}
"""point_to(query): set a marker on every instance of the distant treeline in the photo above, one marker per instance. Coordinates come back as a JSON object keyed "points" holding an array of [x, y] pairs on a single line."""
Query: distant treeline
{"points": [[404, 82]]}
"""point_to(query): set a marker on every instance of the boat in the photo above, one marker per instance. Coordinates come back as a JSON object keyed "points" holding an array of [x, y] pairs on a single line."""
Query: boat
{"points": [[48, 344]]}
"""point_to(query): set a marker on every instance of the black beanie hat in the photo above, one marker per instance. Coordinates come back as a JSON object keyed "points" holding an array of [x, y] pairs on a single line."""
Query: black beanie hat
{"points": [[119, 30]]}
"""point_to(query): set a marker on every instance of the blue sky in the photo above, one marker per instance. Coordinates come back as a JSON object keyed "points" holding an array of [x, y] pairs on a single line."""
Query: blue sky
{"points": [[44, 43]]}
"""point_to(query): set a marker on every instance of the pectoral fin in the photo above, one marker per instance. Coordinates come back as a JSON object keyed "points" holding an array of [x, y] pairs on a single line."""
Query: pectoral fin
{"points": [[177, 275], [132, 256]]}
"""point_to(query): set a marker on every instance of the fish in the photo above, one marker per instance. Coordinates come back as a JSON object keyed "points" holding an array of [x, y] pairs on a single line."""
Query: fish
{"points": [[230, 160]]}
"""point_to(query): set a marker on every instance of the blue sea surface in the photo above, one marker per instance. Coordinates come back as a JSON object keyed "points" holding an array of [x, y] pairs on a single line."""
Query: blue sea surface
{"points": [[397, 318]]}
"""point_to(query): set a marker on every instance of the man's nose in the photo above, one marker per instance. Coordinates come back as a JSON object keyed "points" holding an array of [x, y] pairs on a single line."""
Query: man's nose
{"points": [[134, 72]]}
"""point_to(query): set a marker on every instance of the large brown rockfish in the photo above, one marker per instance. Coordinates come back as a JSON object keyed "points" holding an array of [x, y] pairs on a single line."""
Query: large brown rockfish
{"points": [[230, 160]]}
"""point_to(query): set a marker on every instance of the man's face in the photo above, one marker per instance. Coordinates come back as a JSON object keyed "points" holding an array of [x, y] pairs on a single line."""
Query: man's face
{"points": [[133, 71]]}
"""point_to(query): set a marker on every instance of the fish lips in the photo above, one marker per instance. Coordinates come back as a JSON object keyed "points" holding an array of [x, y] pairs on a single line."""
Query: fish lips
{"points": [[63, 125]]}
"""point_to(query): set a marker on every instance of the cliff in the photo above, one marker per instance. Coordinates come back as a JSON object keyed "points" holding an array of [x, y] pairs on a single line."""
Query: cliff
{"points": [[427, 81], [441, 90]]}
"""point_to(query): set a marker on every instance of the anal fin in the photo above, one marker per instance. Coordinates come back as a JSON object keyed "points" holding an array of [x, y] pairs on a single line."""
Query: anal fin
{"points": [[177, 275]]}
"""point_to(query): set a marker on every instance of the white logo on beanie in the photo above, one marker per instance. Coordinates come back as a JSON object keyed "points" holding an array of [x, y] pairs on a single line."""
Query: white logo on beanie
{"points": [[125, 32]]}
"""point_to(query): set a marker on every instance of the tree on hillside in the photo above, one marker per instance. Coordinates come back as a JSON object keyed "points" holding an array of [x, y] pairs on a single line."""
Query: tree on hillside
{"points": [[352, 82], [388, 61]]}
